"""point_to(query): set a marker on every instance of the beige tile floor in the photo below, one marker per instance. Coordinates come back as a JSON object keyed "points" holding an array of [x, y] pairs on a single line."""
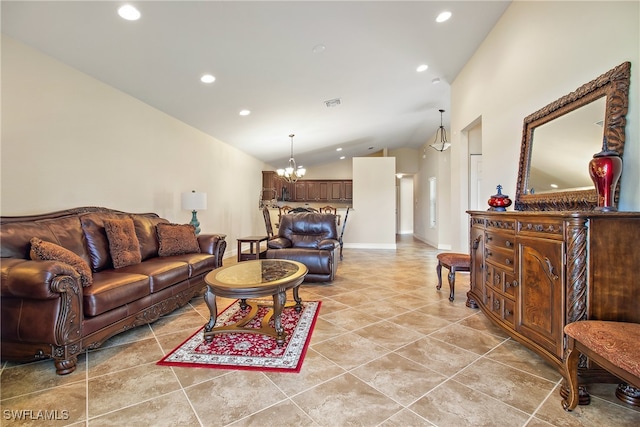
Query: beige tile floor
{"points": [[387, 350]]}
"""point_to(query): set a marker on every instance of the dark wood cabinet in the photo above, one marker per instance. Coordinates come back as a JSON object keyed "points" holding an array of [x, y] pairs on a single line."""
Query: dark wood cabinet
{"points": [[322, 191], [534, 272], [348, 190], [310, 190], [300, 191], [270, 183]]}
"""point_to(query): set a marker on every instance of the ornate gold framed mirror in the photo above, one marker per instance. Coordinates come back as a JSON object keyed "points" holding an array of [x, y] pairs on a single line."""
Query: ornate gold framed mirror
{"points": [[559, 140]]}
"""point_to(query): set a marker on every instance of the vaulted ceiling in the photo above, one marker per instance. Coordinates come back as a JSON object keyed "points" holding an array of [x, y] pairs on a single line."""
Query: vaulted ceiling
{"points": [[282, 61]]}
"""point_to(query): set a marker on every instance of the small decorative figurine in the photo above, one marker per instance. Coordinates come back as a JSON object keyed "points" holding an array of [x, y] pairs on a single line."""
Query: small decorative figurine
{"points": [[499, 202]]}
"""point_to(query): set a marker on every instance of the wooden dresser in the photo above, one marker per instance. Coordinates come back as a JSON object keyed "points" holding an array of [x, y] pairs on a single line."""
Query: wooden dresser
{"points": [[534, 272]]}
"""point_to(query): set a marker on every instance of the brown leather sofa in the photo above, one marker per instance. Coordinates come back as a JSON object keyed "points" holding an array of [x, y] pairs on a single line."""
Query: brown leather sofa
{"points": [[309, 238], [55, 309]]}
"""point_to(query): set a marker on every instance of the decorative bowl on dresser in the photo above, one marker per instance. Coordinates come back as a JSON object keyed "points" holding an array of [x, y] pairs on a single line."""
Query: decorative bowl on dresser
{"points": [[557, 259]]}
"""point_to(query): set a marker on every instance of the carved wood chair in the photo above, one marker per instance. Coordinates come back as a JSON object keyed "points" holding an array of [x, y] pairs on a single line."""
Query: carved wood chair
{"points": [[344, 225], [267, 222], [283, 210], [615, 346], [302, 210], [328, 209]]}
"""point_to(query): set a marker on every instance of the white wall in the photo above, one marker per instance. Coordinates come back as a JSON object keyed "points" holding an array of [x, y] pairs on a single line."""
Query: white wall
{"points": [[404, 205], [69, 140], [433, 164], [341, 169], [537, 53], [407, 160], [372, 223]]}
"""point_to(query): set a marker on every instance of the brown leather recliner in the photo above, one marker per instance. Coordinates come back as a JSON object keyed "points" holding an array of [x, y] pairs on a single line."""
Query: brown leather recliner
{"points": [[309, 238]]}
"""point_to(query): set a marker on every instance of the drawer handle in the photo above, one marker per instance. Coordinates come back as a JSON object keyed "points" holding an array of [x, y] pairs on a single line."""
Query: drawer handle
{"points": [[487, 253], [507, 312], [508, 244], [512, 284], [507, 261], [488, 238], [496, 304]]}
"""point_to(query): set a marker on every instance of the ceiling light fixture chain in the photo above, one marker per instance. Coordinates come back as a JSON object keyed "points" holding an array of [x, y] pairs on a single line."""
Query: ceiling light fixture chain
{"points": [[292, 173], [442, 144]]}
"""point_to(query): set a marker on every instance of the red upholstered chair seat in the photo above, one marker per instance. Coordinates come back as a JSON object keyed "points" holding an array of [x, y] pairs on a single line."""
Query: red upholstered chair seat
{"points": [[618, 342], [615, 346], [454, 259], [453, 262]]}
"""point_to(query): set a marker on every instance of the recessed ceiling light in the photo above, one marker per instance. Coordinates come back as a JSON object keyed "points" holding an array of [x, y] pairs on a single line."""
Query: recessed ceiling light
{"points": [[554, 185], [319, 48], [422, 68], [342, 157], [207, 78], [129, 13], [444, 16], [244, 112], [436, 80], [338, 149]]}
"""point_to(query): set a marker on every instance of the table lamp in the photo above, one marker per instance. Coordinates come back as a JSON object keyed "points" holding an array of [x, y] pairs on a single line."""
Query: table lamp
{"points": [[194, 202]]}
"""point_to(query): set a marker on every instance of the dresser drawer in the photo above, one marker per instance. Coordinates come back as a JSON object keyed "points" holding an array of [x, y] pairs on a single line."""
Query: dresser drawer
{"points": [[499, 306], [550, 228], [501, 257], [500, 240], [501, 280]]}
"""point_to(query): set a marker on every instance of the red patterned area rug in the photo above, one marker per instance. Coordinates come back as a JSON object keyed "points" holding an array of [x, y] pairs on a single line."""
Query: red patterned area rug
{"points": [[250, 351]]}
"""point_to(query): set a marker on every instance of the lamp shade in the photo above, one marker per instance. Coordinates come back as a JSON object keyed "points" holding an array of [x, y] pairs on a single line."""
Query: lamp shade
{"points": [[193, 201]]}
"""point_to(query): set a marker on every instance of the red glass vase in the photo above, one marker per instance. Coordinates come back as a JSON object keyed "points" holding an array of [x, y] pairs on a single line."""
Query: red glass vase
{"points": [[499, 202], [605, 169]]}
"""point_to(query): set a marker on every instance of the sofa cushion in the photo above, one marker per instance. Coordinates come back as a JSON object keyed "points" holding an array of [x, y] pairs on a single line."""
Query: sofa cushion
{"points": [[198, 263], [15, 238], [68, 234], [47, 251], [147, 234], [112, 289], [161, 271], [96, 237], [176, 239], [123, 243]]}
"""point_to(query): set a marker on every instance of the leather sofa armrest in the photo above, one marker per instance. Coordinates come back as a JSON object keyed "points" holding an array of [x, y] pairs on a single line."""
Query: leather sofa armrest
{"points": [[328, 244], [37, 279], [279, 243], [214, 244]]}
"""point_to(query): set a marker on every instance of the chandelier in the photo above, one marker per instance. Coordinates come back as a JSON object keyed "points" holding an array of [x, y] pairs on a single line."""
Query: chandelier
{"points": [[442, 144], [292, 173]]}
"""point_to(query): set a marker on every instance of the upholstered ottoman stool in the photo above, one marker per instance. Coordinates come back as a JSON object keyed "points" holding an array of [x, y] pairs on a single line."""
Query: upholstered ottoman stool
{"points": [[615, 346], [453, 262]]}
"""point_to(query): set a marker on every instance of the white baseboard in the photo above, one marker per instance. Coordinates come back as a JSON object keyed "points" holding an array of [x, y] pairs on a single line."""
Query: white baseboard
{"points": [[371, 246]]}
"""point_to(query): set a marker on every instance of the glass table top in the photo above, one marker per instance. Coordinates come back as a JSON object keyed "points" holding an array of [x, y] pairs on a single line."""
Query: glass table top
{"points": [[258, 272]]}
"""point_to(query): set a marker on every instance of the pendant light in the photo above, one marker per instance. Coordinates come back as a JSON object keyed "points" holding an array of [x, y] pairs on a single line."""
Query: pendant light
{"points": [[441, 144], [291, 173]]}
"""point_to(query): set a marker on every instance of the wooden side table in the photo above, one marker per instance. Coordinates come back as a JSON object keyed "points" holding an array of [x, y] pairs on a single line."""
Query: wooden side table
{"points": [[255, 251]]}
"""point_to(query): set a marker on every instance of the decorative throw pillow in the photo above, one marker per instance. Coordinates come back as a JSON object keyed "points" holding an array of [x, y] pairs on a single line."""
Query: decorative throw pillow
{"points": [[176, 239], [47, 251], [123, 242]]}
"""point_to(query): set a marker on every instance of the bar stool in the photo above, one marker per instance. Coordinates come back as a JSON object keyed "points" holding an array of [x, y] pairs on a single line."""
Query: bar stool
{"points": [[453, 262]]}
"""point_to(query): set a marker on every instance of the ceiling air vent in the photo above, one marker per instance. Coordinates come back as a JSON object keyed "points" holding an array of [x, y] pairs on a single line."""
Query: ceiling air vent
{"points": [[332, 102]]}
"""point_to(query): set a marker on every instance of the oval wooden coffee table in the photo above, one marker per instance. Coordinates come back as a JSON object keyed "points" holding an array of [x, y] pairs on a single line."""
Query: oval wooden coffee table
{"points": [[254, 279]]}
